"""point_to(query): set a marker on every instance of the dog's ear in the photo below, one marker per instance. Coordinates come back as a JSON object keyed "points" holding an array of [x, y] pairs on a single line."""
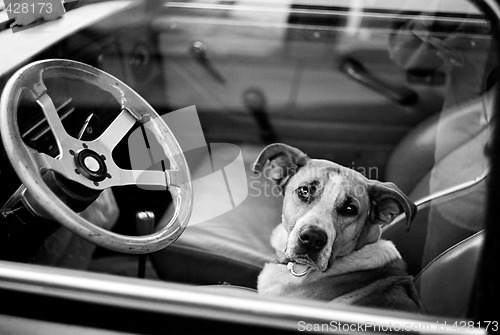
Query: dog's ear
{"points": [[284, 162], [388, 201]]}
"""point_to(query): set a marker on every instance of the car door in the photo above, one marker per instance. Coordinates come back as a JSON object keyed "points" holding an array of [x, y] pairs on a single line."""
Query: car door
{"points": [[276, 71]]}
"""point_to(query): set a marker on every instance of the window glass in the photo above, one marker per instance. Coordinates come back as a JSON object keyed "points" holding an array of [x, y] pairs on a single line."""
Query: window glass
{"points": [[400, 91]]}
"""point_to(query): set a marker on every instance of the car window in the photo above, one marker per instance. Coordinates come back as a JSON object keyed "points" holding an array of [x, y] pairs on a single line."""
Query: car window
{"points": [[398, 91]]}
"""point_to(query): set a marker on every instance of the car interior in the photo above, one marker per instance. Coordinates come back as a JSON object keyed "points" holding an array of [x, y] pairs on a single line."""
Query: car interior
{"points": [[399, 91]]}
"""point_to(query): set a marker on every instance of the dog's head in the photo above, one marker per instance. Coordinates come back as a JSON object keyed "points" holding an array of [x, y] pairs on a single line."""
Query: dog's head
{"points": [[328, 210]]}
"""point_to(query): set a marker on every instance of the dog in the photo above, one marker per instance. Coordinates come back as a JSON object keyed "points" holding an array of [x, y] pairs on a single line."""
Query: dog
{"points": [[329, 245]]}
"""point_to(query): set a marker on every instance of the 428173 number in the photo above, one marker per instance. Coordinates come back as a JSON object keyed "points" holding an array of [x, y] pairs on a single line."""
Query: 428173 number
{"points": [[29, 8]]}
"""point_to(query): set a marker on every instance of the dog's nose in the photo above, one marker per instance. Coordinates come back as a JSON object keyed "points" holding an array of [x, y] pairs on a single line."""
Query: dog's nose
{"points": [[313, 239]]}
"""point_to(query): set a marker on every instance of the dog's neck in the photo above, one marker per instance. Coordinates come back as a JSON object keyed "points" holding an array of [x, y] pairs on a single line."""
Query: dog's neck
{"points": [[278, 279], [371, 256]]}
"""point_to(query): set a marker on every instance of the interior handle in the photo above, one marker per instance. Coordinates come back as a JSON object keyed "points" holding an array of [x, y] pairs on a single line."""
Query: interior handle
{"points": [[200, 53], [401, 94]]}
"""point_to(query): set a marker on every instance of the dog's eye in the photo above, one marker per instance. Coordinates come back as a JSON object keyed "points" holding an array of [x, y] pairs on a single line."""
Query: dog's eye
{"points": [[304, 193], [348, 209]]}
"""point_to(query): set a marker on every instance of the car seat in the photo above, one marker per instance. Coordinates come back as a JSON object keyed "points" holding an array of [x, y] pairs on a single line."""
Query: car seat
{"points": [[229, 248], [446, 284], [441, 165]]}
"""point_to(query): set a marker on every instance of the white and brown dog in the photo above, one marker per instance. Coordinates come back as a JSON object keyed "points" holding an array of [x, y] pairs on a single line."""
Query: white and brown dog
{"points": [[328, 245]]}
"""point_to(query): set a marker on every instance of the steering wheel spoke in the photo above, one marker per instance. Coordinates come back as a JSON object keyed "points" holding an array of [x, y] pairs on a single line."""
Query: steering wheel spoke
{"points": [[56, 164], [54, 121], [117, 130], [144, 178]]}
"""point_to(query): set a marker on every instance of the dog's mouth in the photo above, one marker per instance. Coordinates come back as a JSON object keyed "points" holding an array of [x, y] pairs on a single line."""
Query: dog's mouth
{"points": [[297, 269], [300, 266]]}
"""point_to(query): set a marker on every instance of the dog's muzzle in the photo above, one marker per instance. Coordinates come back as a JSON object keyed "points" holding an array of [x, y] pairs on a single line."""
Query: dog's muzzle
{"points": [[306, 250], [311, 241]]}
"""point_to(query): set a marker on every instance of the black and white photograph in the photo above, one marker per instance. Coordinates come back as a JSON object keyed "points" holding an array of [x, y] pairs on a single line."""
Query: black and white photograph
{"points": [[249, 167]]}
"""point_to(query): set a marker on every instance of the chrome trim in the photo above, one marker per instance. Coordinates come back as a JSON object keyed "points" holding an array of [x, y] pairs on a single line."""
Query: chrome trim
{"points": [[399, 16], [454, 189], [177, 299], [425, 201]]}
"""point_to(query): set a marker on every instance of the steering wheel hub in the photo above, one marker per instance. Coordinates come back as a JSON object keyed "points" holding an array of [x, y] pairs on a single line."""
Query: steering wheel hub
{"points": [[91, 165]]}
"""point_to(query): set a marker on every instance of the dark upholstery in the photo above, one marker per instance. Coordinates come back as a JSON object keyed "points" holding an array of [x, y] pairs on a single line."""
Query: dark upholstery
{"points": [[446, 284], [444, 152]]}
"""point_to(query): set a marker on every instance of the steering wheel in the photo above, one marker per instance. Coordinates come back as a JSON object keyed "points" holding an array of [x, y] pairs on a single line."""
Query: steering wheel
{"points": [[90, 163]]}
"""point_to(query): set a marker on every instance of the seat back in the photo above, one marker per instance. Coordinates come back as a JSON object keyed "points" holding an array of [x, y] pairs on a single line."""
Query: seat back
{"points": [[433, 231], [445, 178], [446, 284], [229, 248]]}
